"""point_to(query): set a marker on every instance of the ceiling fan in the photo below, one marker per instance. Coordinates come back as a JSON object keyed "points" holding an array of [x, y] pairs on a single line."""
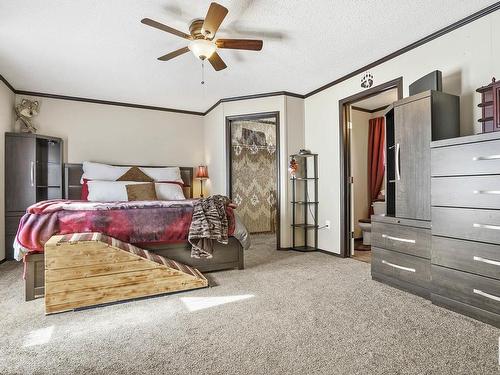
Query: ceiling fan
{"points": [[201, 36]]}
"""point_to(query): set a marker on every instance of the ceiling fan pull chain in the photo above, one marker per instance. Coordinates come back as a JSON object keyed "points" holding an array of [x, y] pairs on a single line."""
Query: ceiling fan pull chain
{"points": [[202, 72]]}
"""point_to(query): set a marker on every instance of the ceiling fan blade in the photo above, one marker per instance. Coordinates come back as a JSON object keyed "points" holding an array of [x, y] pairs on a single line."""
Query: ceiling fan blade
{"points": [[171, 55], [215, 15], [217, 62], [168, 29], [247, 44]]}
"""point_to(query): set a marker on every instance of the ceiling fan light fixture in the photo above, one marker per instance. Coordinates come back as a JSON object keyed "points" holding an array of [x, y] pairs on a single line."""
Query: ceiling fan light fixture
{"points": [[201, 36], [202, 48]]}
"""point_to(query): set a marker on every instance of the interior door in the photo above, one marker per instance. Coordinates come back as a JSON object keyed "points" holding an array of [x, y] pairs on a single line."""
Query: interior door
{"points": [[412, 132], [20, 159], [348, 119], [496, 106]]}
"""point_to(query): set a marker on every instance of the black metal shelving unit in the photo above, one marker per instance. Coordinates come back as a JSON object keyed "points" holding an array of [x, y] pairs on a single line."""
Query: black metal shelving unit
{"points": [[301, 198]]}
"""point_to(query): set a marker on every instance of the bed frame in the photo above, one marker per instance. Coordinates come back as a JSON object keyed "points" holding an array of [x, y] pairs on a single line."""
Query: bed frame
{"points": [[225, 256]]}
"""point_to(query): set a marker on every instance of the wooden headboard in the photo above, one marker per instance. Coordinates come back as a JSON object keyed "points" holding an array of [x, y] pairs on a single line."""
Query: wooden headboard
{"points": [[73, 174]]}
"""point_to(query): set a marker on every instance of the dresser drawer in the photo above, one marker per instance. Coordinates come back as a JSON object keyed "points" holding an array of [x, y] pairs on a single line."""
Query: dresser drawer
{"points": [[9, 246], [407, 268], [11, 224], [467, 159], [467, 191], [474, 257], [404, 239], [478, 291], [468, 224]]}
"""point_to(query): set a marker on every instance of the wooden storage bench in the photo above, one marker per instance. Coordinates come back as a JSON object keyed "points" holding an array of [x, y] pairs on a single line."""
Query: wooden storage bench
{"points": [[88, 269]]}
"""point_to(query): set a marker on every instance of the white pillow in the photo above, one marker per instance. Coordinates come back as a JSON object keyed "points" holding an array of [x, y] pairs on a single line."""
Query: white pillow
{"points": [[109, 191], [113, 191], [163, 174], [106, 172], [169, 192], [103, 172]]}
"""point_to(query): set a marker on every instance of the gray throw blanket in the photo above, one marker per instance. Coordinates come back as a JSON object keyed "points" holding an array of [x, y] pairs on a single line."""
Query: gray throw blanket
{"points": [[209, 223]]}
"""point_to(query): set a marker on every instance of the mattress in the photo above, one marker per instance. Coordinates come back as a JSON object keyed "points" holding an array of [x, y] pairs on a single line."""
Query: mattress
{"points": [[142, 223]]}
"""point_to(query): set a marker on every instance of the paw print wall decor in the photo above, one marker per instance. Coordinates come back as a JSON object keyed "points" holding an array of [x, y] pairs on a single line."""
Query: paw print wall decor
{"points": [[367, 80]]}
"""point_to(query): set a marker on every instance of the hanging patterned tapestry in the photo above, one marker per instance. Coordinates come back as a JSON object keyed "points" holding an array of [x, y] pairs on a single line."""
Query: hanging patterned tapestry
{"points": [[254, 173]]}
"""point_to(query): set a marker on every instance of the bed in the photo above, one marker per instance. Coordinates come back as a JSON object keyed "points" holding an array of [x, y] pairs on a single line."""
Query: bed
{"points": [[224, 257]]}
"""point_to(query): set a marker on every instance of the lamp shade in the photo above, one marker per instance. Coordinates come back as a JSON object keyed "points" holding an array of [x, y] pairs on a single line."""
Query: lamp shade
{"points": [[202, 48], [202, 172]]}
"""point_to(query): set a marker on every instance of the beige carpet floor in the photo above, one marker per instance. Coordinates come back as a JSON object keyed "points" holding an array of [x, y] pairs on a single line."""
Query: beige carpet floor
{"points": [[286, 313]]}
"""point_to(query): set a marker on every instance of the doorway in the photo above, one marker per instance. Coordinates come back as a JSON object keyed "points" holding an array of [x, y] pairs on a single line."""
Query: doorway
{"points": [[362, 157], [253, 172]]}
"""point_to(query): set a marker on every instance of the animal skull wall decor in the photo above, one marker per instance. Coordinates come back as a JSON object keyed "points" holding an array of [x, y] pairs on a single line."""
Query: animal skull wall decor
{"points": [[25, 112]]}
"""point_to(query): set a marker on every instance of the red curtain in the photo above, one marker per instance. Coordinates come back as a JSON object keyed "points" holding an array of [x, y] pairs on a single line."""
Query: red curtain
{"points": [[376, 168]]}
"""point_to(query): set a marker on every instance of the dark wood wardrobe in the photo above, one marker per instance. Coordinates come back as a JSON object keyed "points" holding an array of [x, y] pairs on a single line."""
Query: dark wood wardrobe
{"points": [[401, 240], [33, 172]]}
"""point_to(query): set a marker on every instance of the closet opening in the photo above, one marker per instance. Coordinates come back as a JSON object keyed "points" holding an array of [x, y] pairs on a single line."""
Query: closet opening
{"points": [[253, 172], [362, 157]]}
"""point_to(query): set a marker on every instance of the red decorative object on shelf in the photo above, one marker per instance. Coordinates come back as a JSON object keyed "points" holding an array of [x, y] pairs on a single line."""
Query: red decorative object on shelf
{"points": [[490, 106]]}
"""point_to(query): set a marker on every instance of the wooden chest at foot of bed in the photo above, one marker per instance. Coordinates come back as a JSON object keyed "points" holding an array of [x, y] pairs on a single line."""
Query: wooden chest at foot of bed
{"points": [[89, 269]]}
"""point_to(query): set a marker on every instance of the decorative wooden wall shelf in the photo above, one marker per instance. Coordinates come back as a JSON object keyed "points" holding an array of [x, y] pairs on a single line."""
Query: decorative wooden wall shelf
{"points": [[490, 106], [87, 269]]}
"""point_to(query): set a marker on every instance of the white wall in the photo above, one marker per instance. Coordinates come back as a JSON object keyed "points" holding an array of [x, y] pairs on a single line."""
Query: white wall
{"points": [[468, 58], [122, 135], [7, 118], [291, 112]]}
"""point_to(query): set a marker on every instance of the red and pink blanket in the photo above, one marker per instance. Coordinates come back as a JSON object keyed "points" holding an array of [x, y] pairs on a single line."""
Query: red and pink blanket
{"points": [[138, 223]]}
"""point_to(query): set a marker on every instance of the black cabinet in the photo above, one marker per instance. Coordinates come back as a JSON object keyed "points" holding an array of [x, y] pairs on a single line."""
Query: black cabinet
{"points": [[418, 120], [20, 158], [33, 172], [403, 238], [412, 136]]}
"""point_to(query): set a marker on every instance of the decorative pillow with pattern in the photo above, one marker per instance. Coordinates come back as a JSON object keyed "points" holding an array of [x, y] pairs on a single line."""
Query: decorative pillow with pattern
{"points": [[141, 192], [135, 174]]}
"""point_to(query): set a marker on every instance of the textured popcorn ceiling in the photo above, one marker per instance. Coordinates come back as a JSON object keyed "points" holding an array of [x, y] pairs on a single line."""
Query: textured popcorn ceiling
{"points": [[99, 49]]}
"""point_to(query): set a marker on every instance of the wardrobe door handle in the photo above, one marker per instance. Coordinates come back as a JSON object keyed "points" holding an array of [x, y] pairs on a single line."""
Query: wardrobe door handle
{"points": [[398, 239], [487, 295], [486, 226], [489, 157], [486, 191], [396, 155], [485, 260], [398, 267], [32, 173]]}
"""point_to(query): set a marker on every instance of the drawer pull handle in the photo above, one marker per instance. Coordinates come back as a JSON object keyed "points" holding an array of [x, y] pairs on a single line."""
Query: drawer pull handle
{"points": [[486, 191], [397, 239], [32, 173], [489, 157], [487, 295], [485, 260], [398, 267], [486, 226], [397, 171]]}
